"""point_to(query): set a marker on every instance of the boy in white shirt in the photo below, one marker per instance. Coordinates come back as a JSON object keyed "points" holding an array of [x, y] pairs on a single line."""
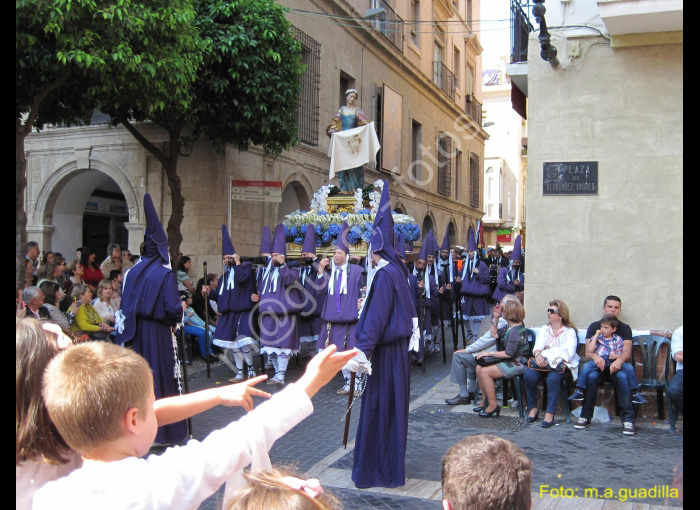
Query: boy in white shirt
{"points": [[100, 397]]}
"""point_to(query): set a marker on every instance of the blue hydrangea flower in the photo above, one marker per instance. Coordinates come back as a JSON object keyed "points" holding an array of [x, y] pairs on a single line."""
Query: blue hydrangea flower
{"points": [[319, 230], [299, 240], [355, 235], [318, 242], [293, 232], [326, 238], [334, 229], [364, 211], [323, 213], [303, 229]]}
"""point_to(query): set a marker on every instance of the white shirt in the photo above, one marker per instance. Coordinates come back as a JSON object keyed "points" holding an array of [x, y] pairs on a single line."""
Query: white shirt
{"points": [[677, 346], [183, 476]]}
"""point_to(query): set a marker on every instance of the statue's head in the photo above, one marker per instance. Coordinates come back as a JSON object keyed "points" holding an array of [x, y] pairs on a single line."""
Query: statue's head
{"points": [[351, 91]]}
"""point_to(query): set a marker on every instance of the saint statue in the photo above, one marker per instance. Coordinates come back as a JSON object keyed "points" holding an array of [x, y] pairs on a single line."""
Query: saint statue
{"points": [[348, 117]]}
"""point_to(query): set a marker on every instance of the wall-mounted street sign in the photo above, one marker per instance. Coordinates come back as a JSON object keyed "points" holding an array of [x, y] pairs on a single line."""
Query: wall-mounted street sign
{"points": [[256, 191], [577, 178]]}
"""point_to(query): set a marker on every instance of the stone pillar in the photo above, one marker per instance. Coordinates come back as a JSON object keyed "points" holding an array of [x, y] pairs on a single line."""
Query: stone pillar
{"points": [[42, 234]]}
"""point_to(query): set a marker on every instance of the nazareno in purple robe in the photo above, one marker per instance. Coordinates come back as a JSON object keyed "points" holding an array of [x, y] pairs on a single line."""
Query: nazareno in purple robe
{"points": [[235, 303], [310, 316], [383, 332], [279, 309], [343, 323]]}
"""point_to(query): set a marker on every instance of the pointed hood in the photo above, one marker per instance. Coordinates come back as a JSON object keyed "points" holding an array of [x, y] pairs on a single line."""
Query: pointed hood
{"points": [[226, 243], [426, 249], [279, 245], [265, 241], [341, 243], [446, 239], [382, 240], [433, 248], [471, 241], [517, 250], [309, 245], [156, 242]]}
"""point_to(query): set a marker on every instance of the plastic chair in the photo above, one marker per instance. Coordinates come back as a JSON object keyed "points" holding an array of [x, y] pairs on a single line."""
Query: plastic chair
{"points": [[650, 346]]}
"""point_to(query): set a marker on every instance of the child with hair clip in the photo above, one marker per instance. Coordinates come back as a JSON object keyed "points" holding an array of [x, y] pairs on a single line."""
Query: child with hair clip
{"points": [[278, 488]]}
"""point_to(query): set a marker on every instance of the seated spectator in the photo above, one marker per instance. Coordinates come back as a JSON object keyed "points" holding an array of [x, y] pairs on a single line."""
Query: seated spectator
{"points": [[607, 346], [134, 259], [612, 305], [32, 254], [116, 277], [87, 320], [213, 282], [52, 296], [104, 304], [279, 488], [486, 472], [199, 303], [514, 357], [34, 304], [75, 272], [52, 271], [48, 257], [184, 282], [674, 392], [463, 370], [92, 273], [194, 325], [100, 397], [555, 356], [114, 260], [30, 277], [126, 254]]}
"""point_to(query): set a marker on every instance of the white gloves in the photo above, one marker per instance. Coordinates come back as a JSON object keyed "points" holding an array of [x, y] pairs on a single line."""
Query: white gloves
{"points": [[360, 364], [414, 342]]}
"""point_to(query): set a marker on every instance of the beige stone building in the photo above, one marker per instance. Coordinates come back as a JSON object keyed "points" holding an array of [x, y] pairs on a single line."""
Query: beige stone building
{"points": [[420, 57], [615, 98]]}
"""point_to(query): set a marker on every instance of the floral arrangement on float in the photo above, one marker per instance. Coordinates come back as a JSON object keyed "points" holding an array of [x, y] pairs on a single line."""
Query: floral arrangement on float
{"points": [[360, 220]]}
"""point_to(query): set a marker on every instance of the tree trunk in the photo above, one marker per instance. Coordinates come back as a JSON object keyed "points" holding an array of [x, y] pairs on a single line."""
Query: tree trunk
{"points": [[20, 214], [177, 200]]}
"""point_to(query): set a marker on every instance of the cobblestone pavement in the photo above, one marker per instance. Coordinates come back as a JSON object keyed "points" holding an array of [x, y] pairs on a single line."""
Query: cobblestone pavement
{"points": [[564, 459]]}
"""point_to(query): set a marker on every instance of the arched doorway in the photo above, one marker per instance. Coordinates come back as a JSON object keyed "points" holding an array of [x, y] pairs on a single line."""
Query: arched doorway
{"points": [[294, 197], [427, 226], [84, 208]]}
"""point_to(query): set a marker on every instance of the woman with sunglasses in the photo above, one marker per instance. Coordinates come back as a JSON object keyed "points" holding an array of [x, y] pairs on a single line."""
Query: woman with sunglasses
{"points": [[555, 356]]}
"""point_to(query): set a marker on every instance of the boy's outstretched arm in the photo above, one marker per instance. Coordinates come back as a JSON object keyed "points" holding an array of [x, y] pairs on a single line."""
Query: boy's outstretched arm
{"points": [[180, 407], [323, 367]]}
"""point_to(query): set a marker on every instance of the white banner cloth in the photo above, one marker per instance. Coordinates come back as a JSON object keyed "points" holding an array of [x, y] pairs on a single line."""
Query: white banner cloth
{"points": [[352, 148]]}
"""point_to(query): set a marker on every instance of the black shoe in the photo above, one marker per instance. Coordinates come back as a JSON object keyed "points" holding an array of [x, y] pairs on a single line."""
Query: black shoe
{"points": [[582, 423], [477, 409], [458, 400], [637, 398], [576, 395], [212, 359], [532, 419], [485, 414], [546, 424]]}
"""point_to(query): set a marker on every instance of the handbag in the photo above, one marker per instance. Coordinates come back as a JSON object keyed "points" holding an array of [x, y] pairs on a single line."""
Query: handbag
{"points": [[532, 363], [487, 361]]}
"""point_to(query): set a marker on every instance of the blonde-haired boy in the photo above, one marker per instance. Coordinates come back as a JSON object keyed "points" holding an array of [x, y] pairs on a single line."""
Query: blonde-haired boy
{"points": [[100, 397]]}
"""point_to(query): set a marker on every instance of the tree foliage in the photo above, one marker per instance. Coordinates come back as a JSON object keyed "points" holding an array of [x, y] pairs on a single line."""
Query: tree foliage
{"points": [[246, 91], [74, 55]]}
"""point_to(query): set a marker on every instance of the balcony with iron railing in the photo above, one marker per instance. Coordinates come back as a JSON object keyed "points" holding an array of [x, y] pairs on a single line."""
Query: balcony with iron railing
{"points": [[473, 108], [389, 24], [520, 28], [444, 78]]}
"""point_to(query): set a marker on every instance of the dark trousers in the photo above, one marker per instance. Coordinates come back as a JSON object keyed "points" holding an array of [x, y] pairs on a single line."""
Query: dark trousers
{"points": [[553, 381], [675, 390], [622, 388]]}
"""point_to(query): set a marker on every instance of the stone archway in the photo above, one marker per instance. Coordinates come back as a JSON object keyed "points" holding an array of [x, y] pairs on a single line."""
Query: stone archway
{"points": [[294, 197], [60, 207], [428, 224]]}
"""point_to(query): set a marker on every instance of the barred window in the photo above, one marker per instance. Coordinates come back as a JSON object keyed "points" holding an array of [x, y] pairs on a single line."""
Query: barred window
{"points": [[308, 106], [474, 191], [444, 165]]}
